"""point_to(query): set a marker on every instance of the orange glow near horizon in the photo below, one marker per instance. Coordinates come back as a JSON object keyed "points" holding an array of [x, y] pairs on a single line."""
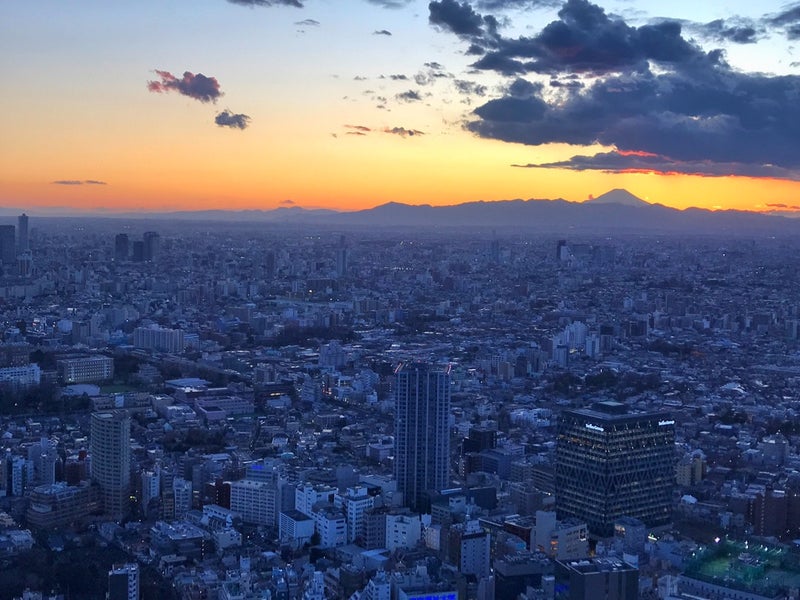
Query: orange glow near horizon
{"points": [[174, 165]]}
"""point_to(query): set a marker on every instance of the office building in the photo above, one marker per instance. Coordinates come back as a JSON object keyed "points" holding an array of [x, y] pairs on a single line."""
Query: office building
{"points": [[598, 579], [151, 490], [422, 437], [58, 505], [152, 246], [121, 247], [612, 463], [137, 251], [123, 582], [110, 449], [86, 369], [8, 241]]}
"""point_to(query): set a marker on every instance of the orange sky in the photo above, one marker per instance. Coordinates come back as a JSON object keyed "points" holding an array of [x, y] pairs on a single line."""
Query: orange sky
{"points": [[79, 109]]}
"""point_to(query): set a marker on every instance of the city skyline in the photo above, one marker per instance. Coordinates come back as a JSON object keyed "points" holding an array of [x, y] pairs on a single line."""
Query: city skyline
{"points": [[261, 104]]}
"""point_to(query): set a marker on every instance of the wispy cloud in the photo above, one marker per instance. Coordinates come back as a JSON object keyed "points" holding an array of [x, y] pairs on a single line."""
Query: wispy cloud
{"points": [[402, 131], [390, 3], [78, 182], [197, 86], [295, 3]]}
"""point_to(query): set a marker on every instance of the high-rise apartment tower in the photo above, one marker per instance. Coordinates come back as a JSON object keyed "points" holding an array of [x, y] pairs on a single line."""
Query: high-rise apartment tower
{"points": [[422, 436], [110, 448]]}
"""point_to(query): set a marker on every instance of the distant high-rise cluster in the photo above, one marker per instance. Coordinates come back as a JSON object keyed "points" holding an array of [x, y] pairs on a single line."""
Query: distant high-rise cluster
{"points": [[15, 252], [145, 250]]}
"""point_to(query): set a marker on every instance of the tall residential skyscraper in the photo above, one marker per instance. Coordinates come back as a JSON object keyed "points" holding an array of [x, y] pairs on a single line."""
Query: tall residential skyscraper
{"points": [[612, 463], [422, 437], [22, 232], [110, 447]]}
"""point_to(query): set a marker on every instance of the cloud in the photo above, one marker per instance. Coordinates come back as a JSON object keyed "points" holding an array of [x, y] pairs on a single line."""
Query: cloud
{"points": [[197, 86], [78, 182], [390, 3], [363, 130], [470, 88], [381, 32], [295, 3], [431, 72], [517, 4], [586, 40], [409, 96], [402, 131], [460, 19], [233, 120], [638, 89], [398, 77], [788, 20], [645, 162], [307, 23], [288, 202], [736, 30], [718, 115]]}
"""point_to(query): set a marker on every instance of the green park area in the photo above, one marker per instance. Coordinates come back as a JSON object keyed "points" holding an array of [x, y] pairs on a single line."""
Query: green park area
{"points": [[746, 566]]}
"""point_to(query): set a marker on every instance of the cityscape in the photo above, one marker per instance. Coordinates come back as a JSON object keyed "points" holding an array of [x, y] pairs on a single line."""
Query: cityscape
{"points": [[400, 300], [251, 410]]}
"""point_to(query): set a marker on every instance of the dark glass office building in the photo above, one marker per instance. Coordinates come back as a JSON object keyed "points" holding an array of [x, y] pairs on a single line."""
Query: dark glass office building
{"points": [[612, 463]]}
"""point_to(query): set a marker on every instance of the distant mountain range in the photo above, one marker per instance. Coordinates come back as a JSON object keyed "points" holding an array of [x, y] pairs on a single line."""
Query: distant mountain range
{"points": [[615, 211]]}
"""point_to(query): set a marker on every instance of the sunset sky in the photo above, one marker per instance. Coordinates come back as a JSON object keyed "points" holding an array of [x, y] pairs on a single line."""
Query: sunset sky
{"points": [[349, 104]]}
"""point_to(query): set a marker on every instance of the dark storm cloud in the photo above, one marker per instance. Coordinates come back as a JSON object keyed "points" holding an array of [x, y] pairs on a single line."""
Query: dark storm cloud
{"points": [[718, 115], [402, 131], [197, 86], [232, 120], [459, 18], [642, 162], [409, 96], [586, 40], [381, 32], [78, 182], [646, 89], [295, 3], [737, 30]]}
